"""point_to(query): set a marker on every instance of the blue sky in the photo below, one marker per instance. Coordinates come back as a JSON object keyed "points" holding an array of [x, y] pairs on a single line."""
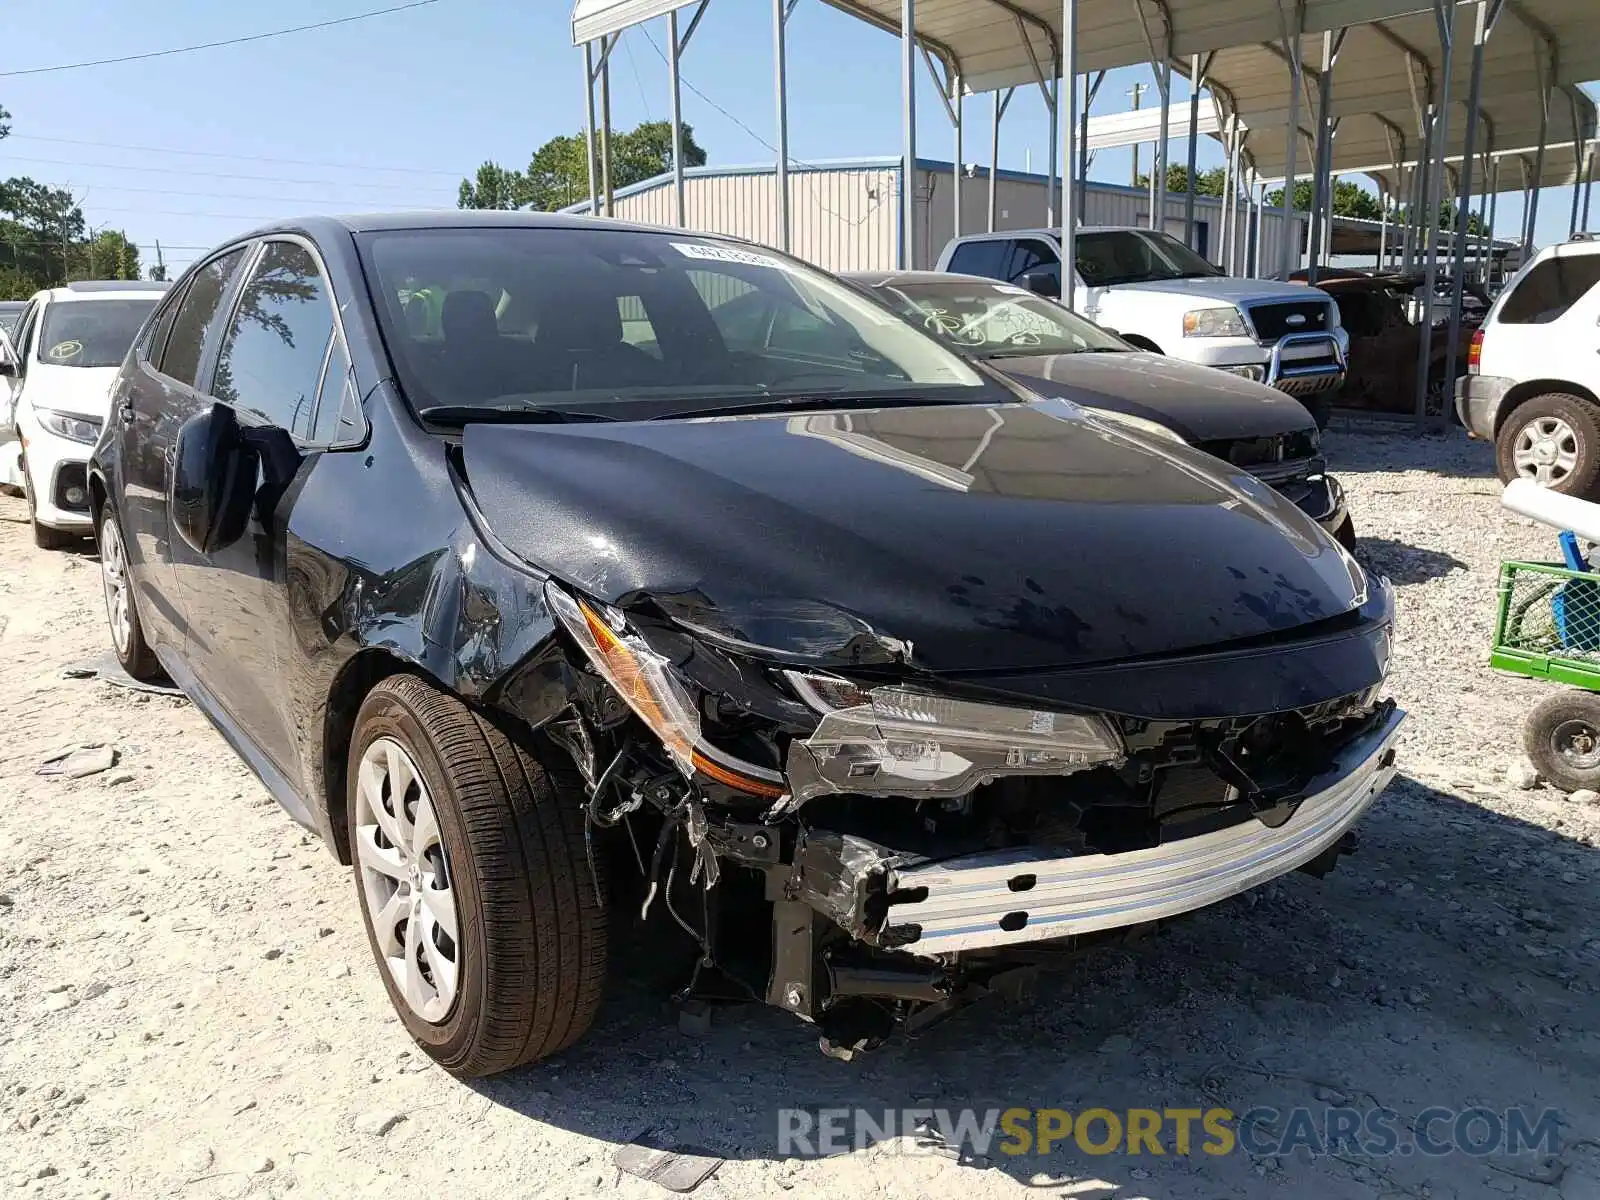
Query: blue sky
{"points": [[391, 112]]}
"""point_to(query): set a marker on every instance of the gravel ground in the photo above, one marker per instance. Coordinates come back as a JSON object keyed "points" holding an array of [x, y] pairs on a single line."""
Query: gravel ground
{"points": [[187, 1006]]}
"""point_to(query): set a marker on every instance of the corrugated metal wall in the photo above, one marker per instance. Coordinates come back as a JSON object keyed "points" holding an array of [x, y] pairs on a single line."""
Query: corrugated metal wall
{"points": [[847, 218], [841, 219]]}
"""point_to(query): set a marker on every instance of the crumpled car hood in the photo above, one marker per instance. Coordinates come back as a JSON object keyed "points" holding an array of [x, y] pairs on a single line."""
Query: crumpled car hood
{"points": [[952, 537], [1201, 403]]}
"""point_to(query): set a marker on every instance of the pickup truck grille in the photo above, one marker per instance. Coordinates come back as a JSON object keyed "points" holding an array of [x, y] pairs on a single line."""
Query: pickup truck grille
{"points": [[1273, 321]]}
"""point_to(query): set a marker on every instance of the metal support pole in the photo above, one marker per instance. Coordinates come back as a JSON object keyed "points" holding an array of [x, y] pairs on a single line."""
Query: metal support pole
{"points": [[1577, 165], [1158, 205], [1069, 131], [956, 176], [1488, 230], [908, 166], [1538, 163], [677, 118], [1091, 88], [1486, 165], [1383, 229], [1289, 244], [1001, 103], [588, 127], [1444, 18], [780, 83], [1194, 148], [1588, 186], [1052, 100], [1257, 201], [605, 127], [1484, 15], [1320, 184], [1224, 256]]}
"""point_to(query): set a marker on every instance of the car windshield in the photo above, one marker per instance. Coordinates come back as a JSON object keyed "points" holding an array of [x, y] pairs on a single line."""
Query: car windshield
{"points": [[91, 333], [1107, 257], [634, 323], [996, 320]]}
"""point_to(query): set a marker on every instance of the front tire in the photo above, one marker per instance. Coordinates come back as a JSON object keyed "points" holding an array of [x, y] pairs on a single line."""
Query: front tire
{"points": [[43, 536], [122, 609], [1562, 737], [1554, 440], [487, 926]]}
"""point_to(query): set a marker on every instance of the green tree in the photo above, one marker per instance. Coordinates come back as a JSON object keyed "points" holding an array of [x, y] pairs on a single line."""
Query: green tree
{"points": [[1210, 182], [557, 175], [157, 272], [1349, 199], [109, 255]]}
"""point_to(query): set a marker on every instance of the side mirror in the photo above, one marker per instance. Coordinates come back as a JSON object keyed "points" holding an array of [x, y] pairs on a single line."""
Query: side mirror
{"points": [[1043, 283], [213, 480]]}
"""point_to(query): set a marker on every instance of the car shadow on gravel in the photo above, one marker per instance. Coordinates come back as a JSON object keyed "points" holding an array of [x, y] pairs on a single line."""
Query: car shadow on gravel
{"points": [[1405, 564], [1439, 964]]}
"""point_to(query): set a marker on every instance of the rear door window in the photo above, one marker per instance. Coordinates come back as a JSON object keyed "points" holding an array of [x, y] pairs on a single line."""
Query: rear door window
{"points": [[273, 353], [1032, 257], [987, 258], [1550, 289], [198, 317]]}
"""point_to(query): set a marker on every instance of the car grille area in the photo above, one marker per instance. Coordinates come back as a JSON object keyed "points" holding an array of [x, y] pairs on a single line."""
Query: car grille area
{"points": [[1275, 320]]}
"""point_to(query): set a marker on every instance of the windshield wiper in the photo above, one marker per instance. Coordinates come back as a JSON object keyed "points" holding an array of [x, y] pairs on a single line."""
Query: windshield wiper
{"points": [[796, 402], [505, 414]]}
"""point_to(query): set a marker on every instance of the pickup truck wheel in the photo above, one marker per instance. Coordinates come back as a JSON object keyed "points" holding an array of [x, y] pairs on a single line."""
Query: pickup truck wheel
{"points": [[468, 855], [1554, 440], [122, 610], [1562, 737]]}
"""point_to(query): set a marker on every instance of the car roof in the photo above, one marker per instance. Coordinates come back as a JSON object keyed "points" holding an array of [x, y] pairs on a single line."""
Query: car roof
{"points": [[80, 290], [450, 218]]}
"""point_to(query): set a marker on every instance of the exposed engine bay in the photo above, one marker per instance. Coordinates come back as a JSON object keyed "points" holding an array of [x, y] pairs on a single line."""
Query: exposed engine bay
{"points": [[872, 850]]}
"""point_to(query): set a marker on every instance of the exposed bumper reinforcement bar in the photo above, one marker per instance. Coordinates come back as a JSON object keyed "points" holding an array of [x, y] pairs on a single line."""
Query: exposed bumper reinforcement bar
{"points": [[1024, 894]]}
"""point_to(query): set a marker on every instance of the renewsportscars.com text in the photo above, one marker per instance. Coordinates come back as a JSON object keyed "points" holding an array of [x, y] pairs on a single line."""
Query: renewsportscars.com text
{"points": [[1373, 1132]]}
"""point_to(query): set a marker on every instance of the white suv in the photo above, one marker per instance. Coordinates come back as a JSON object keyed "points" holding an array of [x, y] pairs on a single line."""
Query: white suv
{"points": [[69, 343], [1533, 381], [1160, 295]]}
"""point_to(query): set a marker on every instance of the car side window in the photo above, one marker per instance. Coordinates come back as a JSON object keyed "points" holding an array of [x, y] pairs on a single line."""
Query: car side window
{"points": [[272, 354], [1550, 289], [1029, 255], [338, 416], [25, 324], [197, 317], [986, 258], [155, 336]]}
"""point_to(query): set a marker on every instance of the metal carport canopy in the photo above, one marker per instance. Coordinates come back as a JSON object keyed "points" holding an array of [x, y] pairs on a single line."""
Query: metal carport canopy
{"points": [[1386, 72], [984, 39], [594, 19]]}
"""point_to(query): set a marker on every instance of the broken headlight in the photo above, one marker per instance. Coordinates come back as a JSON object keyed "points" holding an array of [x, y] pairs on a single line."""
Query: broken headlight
{"points": [[894, 741], [649, 686]]}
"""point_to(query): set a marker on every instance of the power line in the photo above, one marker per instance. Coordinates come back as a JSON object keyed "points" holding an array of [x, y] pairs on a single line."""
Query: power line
{"points": [[293, 162], [112, 187], [709, 100], [254, 37], [67, 162]]}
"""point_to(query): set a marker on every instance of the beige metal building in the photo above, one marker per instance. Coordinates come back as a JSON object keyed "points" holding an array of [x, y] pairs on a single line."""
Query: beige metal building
{"points": [[845, 214]]}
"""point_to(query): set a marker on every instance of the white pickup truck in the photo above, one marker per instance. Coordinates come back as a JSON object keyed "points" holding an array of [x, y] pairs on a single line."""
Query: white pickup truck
{"points": [[1162, 296]]}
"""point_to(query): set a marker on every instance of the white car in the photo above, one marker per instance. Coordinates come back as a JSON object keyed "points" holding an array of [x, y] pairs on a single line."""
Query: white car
{"points": [[1160, 295], [68, 345], [1533, 372]]}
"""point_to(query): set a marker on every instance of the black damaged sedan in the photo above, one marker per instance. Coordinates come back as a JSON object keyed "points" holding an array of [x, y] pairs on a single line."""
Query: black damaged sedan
{"points": [[566, 575], [1052, 350]]}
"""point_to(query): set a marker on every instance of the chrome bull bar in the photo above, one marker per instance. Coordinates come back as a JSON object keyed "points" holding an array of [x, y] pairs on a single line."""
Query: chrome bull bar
{"points": [[1025, 894], [1283, 374]]}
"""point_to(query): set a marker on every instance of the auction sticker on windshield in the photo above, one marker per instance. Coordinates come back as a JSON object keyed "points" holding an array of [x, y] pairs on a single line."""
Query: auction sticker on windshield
{"points": [[726, 254]]}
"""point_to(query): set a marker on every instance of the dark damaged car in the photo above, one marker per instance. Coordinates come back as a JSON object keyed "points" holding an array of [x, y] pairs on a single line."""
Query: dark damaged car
{"points": [[1053, 351], [557, 594]]}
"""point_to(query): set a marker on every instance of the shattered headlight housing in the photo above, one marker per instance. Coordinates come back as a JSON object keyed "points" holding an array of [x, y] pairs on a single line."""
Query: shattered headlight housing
{"points": [[1141, 425], [649, 686], [896, 741]]}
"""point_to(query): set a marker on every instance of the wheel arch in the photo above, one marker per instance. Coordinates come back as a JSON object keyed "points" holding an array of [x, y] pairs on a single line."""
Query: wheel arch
{"points": [[1521, 393], [1139, 340], [364, 671]]}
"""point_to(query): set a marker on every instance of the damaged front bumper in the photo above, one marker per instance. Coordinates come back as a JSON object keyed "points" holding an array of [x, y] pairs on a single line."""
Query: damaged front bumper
{"points": [[1018, 895]]}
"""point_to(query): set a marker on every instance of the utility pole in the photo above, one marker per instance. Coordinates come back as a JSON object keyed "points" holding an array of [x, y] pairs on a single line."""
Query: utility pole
{"points": [[161, 265], [1137, 91]]}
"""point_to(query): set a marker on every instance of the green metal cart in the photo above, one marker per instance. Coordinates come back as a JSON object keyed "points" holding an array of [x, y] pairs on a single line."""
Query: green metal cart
{"points": [[1548, 627]]}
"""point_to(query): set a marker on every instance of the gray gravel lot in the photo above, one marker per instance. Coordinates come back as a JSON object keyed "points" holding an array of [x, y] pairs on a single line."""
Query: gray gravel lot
{"points": [[187, 1005]]}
